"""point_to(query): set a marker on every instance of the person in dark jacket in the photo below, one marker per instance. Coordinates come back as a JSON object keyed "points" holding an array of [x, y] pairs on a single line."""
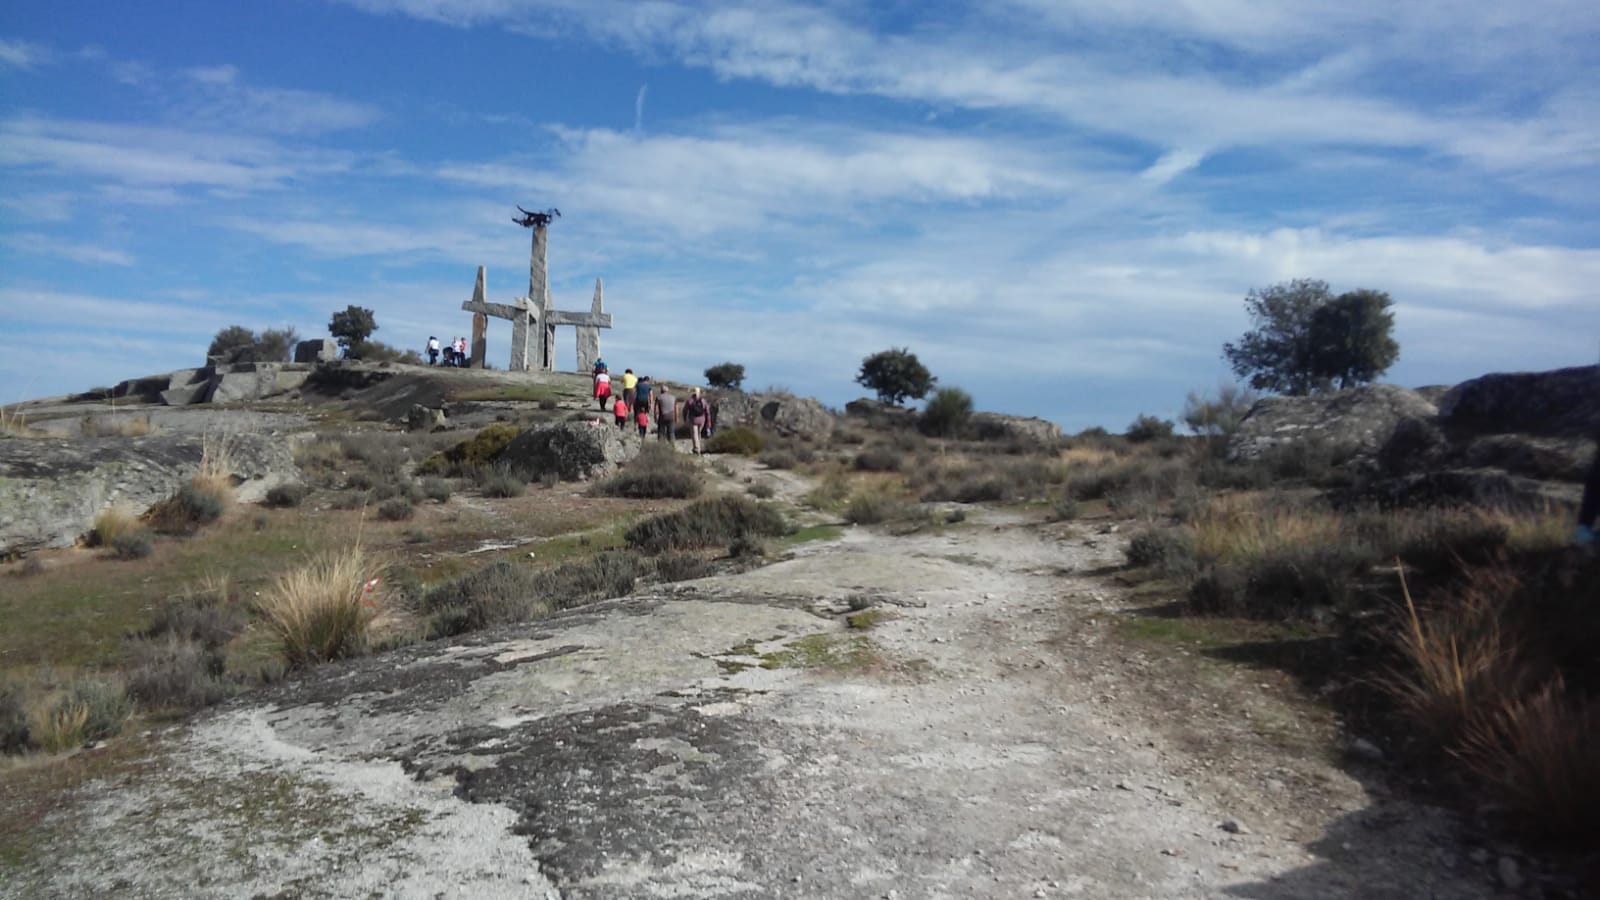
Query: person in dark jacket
{"points": [[1589, 510]]}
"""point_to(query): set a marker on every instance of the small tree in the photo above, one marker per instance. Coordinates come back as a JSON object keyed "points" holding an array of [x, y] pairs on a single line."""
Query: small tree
{"points": [[895, 375], [1148, 428], [1305, 339], [947, 412], [1351, 340], [276, 344], [1219, 415], [232, 344], [728, 376], [351, 328]]}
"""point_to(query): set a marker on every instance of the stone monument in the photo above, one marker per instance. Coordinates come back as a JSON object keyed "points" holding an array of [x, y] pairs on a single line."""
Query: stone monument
{"points": [[535, 313]]}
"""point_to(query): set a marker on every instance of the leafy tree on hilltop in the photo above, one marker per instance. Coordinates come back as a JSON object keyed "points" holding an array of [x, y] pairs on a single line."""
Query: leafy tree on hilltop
{"points": [[1351, 338], [237, 344], [728, 376], [895, 375], [1305, 339], [351, 328]]}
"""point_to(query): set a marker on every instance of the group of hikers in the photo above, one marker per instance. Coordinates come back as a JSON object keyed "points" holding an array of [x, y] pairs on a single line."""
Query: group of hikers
{"points": [[455, 352], [638, 400]]}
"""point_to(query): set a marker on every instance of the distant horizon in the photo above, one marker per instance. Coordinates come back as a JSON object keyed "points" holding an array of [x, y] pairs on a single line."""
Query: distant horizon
{"points": [[1058, 205]]}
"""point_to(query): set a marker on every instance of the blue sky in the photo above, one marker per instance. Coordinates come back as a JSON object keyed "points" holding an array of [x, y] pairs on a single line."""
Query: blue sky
{"points": [[1059, 205]]}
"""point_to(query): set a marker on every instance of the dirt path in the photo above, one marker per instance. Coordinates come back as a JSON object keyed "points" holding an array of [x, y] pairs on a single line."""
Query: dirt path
{"points": [[989, 735]]}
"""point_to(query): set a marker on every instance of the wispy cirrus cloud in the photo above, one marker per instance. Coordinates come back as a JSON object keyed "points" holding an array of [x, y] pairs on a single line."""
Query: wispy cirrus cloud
{"points": [[219, 96], [32, 244]]}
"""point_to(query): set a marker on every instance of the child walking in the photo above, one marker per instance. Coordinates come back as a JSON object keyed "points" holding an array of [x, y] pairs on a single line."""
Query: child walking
{"points": [[620, 410], [641, 417]]}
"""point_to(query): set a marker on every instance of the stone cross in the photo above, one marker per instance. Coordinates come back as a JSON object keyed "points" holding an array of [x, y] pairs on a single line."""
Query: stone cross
{"points": [[539, 301], [480, 325], [521, 314]]}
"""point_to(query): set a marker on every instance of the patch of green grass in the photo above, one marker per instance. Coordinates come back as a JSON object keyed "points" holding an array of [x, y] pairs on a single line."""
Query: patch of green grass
{"points": [[812, 533], [868, 618], [829, 652]]}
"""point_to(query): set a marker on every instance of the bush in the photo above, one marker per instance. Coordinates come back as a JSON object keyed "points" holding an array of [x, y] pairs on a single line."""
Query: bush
{"points": [[739, 439], [175, 672], [497, 594], [13, 718], [436, 489], [284, 496], [133, 544], [88, 710], [761, 490], [1168, 550], [747, 547], [475, 453], [707, 523], [1148, 428], [1287, 583], [658, 471], [781, 458], [396, 509], [503, 592], [111, 523], [499, 481], [879, 458], [319, 611], [192, 506], [873, 508], [681, 567], [727, 376], [947, 412]]}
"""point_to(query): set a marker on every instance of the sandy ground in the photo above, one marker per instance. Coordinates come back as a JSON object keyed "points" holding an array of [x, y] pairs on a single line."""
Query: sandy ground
{"points": [[990, 735]]}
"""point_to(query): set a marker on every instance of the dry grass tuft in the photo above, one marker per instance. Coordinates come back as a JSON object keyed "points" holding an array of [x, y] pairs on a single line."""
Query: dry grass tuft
{"points": [[1239, 527], [320, 611], [118, 425], [113, 522]]}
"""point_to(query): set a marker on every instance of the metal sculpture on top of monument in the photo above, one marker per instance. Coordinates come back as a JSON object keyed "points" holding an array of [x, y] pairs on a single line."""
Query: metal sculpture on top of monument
{"points": [[534, 314]]}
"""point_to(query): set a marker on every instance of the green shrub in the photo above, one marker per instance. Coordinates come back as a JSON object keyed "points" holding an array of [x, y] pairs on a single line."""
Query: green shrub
{"points": [[1148, 428], [873, 508], [1064, 509], [133, 544], [497, 594], [436, 489], [396, 509], [947, 413], [747, 547], [379, 452], [779, 458], [360, 480], [175, 672], [714, 521], [608, 574], [658, 471], [761, 490], [1168, 550], [879, 458], [472, 454], [1287, 583], [106, 702], [741, 440], [351, 500], [499, 481], [681, 567], [13, 718], [188, 509], [284, 496]]}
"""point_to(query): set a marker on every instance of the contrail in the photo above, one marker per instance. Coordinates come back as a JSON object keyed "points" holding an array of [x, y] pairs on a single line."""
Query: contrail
{"points": [[638, 108]]}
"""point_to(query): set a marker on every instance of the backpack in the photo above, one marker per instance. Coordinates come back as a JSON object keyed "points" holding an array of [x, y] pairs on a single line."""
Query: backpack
{"points": [[696, 407]]}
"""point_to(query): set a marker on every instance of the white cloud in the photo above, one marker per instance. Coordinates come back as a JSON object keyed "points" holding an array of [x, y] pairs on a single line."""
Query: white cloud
{"points": [[16, 54], [73, 251], [218, 97]]}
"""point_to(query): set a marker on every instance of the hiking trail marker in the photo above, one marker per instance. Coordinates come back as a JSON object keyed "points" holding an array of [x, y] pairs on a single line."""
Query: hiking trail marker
{"points": [[534, 313]]}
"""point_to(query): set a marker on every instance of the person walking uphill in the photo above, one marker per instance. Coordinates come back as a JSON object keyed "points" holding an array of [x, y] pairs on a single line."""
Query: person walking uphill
{"points": [[620, 410], [602, 388], [698, 412], [433, 350], [666, 414], [641, 395], [630, 381]]}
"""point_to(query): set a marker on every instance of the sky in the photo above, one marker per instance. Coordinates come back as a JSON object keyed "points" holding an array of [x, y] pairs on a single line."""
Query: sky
{"points": [[1057, 205]]}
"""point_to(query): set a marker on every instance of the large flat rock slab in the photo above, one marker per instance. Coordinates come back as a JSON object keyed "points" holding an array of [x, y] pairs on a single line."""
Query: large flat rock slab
{"points": [[732, 737]]}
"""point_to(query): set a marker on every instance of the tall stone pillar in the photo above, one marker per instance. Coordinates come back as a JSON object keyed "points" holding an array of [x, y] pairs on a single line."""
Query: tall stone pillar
{"points": [[588, 335], [480, 322], [539, 296]]}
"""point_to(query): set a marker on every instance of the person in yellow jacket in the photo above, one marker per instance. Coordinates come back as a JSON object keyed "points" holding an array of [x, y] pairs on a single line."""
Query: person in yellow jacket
{"points": [[630, 382]]}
